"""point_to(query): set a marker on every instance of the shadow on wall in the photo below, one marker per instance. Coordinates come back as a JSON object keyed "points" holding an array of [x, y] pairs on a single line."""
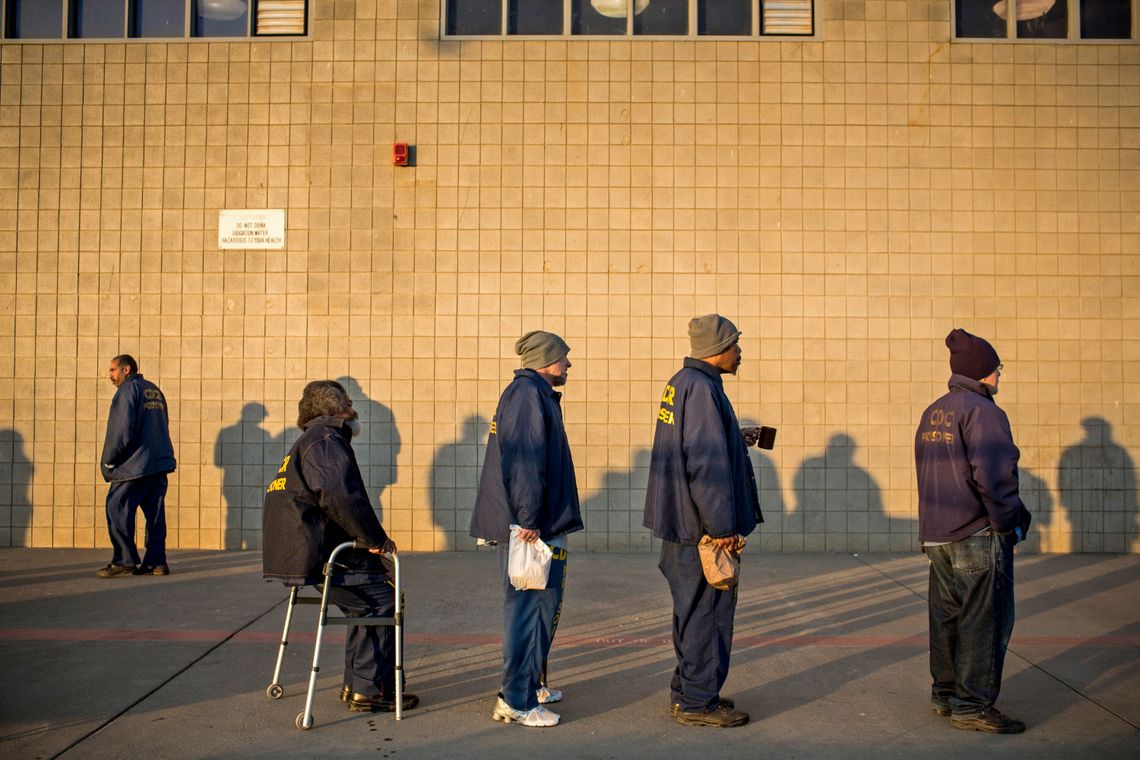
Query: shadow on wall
{"points": [[454, 482], [772, 532], [1046, 533], [840, 506], [613, 512], [1097, 483], [378, 444], [247, 455], [15, 488]]}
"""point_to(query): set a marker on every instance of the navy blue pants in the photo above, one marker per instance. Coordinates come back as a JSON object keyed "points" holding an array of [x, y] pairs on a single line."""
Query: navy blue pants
{"points": [[123, 497], [971, 620], [702, 629], [529, 621], [369, 650]]}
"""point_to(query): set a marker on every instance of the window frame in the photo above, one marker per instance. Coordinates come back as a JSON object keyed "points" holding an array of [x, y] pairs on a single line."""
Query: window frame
{"points": [[1073, 32], [692, 36], [187, 34]]}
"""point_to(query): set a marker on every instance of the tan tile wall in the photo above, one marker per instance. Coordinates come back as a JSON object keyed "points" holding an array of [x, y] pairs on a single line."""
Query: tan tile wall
{"points": [[845, 201]]}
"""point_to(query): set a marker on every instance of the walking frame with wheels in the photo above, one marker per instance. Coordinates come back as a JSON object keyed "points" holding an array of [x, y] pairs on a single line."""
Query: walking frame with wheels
{"points": [[304, 720]]}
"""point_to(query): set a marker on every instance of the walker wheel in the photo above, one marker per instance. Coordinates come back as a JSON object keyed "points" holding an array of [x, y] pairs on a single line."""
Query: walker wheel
{"points": [[275, 691], [301, 724]]}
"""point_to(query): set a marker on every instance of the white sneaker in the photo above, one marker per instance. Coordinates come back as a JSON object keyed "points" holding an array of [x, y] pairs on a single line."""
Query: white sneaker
{"points": [[539, 717], [546, 695]]}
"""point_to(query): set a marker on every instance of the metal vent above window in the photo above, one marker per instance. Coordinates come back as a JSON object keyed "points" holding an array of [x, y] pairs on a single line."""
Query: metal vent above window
{"points": [[786, 17], [280, 17]]}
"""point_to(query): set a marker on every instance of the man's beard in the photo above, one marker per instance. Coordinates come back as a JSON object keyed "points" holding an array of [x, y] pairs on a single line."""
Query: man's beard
{"points": [[354, 426]]}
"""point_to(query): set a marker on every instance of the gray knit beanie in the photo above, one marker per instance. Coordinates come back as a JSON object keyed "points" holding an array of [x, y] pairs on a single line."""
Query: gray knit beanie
{"points": [[540, 349], [710, 335]]}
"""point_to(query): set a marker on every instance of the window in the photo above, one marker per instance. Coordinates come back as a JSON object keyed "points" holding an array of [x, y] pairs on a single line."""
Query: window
{"points": [[1045, 19], [621, 18], [151, 19]]}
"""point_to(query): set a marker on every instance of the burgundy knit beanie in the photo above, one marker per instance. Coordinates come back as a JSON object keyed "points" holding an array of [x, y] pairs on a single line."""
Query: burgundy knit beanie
{"points": [[970, 355]]}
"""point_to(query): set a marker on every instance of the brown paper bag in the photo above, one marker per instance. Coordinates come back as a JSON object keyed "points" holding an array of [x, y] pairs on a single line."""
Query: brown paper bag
{"points": [[721, 567]]}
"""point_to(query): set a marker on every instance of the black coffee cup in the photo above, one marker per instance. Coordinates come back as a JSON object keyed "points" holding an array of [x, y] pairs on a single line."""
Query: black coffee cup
{"points": [[763, 437]]}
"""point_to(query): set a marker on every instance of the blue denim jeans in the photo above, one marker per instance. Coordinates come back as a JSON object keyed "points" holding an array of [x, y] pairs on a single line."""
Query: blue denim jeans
{"points": [[702, 629], [529, 621], [123, 498], [971, 619]]}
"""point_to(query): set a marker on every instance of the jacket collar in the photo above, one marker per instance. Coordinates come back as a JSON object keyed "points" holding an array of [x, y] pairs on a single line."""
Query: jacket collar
{"points": [[538, 380], [333, 422], [963, 383], [703, 366]]}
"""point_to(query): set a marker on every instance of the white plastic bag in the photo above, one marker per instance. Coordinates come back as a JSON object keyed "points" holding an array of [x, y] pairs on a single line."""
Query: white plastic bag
{"points": [[528, 565]]}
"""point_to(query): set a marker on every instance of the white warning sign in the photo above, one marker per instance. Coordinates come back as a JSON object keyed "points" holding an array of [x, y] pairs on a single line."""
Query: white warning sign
{"points": [[251, 228]]}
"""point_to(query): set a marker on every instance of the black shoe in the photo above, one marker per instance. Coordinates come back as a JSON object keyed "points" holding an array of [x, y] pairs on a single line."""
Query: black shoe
{"points": [[721, 717], [379, 703], [675, 707], [941, 709], [990, 721], [152, 570], [115, 571]]}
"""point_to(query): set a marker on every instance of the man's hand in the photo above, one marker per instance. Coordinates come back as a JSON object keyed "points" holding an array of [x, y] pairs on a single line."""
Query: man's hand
{"points": [[751, 435], [389, 547], [528, 535], [731, 543]]}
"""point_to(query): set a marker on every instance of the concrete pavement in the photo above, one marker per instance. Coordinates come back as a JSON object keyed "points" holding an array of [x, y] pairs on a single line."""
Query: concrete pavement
{"points": [[829, 658]]}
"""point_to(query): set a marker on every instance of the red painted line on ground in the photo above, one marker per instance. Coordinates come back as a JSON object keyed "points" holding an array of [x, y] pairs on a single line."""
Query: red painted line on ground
{"points": [[477, 639]]}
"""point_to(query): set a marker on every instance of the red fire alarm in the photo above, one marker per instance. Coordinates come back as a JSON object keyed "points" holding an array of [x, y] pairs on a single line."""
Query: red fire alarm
{"points": [[400, 154]]}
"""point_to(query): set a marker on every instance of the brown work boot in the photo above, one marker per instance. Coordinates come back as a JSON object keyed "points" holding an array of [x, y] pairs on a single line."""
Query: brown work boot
{"points": [[721, 717], [990, 721]]}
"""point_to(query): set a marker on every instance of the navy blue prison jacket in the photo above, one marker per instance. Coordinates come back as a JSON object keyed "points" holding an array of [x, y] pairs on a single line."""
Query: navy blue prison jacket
{"points": [[316, 501], [701, 480], [528, 475], [138, 432], [967, 466]]}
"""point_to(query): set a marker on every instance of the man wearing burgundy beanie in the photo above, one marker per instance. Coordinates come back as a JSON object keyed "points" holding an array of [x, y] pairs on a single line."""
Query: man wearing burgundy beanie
{"points": [[969, 518]]}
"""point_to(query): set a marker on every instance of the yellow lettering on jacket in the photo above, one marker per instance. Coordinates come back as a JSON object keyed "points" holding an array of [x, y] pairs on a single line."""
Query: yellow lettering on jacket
{"points": [[665, 415], [276, 485], [668, 395], [284, 464], [492, 428]]}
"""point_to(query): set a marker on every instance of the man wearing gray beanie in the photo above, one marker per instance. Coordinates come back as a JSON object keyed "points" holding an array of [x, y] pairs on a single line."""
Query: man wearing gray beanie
{"points": [[528, 481], [701, 484], [969, 518]]}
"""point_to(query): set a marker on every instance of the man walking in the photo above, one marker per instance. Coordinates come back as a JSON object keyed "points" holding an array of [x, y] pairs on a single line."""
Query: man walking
{"points": [[528, 480], [701, 484], [317, 501], [969, 518], [137, 457]]}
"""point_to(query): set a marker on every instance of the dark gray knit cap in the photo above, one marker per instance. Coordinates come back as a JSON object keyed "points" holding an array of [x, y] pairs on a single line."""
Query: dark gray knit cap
{"points": [[970, 355], [711, 335], [540, 349]]}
